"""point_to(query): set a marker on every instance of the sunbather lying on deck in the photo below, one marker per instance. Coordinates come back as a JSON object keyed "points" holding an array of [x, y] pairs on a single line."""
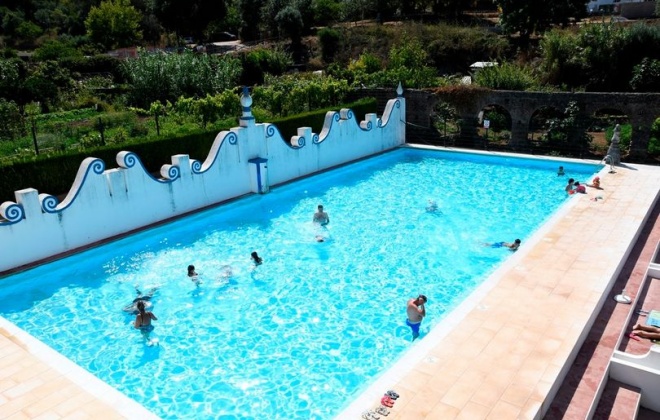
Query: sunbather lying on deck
{"points": [[646, 331]]}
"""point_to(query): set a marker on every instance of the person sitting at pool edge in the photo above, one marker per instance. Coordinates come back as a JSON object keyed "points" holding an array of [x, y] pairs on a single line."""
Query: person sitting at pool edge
{"points": [[256, 259], [415, 314], [511, 245], [321, 217], [595, 183], [580, 188]]}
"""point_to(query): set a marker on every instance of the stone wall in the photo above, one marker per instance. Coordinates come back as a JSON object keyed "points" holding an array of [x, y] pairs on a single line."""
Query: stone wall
{"points": [[641, 108]]}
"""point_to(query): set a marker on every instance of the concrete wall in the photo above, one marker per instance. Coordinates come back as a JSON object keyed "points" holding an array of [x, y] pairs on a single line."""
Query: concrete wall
{"points": [[106, 203], [642, 371], [641, 10]]}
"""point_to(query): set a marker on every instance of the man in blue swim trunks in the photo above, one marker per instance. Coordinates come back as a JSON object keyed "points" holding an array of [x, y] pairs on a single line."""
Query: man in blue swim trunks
{"points": [[511, 245], [416, 312]]}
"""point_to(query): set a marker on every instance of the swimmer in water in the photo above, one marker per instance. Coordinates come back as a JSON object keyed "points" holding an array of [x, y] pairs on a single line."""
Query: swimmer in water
{"points": [[132, 307], [143, 322], [511, 245], [256, 259], [193, 275]]}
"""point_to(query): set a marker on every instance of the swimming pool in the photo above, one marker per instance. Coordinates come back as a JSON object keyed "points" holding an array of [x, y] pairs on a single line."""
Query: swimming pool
{"points": [[316, 319]]}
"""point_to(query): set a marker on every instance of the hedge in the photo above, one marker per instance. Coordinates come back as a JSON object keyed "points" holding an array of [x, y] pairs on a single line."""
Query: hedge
{"points": [[54, 174]]}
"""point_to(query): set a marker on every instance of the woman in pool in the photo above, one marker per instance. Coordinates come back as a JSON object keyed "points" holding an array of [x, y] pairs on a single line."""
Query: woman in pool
{"points": [[143, 323], [143, 318]]}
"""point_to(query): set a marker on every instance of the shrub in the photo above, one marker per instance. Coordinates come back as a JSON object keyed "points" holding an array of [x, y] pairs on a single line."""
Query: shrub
{"points": [[162, 77], [261, 61], [506, 76], [646, 76], [13, 124], [54, 50], [330, 40]]}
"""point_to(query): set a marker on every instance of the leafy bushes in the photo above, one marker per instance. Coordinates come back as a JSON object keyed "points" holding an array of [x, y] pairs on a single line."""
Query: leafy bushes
{"points": [[259, 62], [294, 94], [600, 58], [506, 76], [162, 77], [566, 135], [330, 40], [13, 125], [646, 76]]}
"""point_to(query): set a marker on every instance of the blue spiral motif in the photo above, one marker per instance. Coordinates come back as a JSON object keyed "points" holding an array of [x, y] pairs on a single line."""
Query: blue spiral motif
{"points": [[368, 126], [196, 166], [336, 117], [232, 137], [13, 213], [48, 203], [173, 172], [98, 166], [315, 138], [270, 130], [349, 114], [301, 141], [380, 122], [129, 160], [397, 103]]}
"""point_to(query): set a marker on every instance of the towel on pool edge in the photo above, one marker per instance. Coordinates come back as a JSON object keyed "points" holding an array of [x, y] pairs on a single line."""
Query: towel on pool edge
{"points": [[653, 318]]}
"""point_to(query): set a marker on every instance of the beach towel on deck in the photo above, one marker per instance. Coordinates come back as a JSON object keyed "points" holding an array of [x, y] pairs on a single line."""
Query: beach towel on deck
{"points": [[653, 318]]}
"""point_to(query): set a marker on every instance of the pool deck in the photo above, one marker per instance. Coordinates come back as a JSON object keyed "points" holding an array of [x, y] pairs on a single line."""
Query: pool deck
{"points": [[501, 355]]}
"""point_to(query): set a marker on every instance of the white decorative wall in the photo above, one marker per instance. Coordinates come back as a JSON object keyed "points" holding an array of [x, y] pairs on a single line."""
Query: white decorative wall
{"points": [[104, 203]]}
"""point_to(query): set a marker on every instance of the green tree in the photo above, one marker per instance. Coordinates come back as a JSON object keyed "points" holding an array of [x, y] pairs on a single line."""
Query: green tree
{"points": [[189, 17], [114, 23], [13, 124], [10, 78], [567, 135], [327, 12], [55, 49], [330, 40], [289, 21], [250, 11], [528, 17], [646, 76]]}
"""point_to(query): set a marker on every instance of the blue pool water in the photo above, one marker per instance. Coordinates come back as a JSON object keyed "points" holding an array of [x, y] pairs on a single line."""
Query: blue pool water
{"points": [[301, 335]]}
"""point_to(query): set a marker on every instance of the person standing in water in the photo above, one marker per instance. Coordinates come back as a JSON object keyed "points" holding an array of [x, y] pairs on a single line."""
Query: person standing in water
{"points": [[321, 217], [143, 321], [416, 313]]}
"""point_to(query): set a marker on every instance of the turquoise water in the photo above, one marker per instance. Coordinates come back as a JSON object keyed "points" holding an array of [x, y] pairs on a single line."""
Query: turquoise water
{"points": [[300, 336]]}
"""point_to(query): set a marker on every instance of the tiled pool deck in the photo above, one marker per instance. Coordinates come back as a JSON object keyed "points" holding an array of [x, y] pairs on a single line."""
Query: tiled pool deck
{"points": [[498, 356]]}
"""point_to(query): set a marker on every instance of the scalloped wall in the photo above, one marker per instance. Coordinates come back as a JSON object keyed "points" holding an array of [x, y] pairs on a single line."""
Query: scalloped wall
{"points": [[104, 203]]}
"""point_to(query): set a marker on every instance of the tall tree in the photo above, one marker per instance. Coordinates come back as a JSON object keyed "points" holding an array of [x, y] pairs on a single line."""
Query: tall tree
{"points": [[189, 17], [251, 17], [115, 23], [528, 17]]}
